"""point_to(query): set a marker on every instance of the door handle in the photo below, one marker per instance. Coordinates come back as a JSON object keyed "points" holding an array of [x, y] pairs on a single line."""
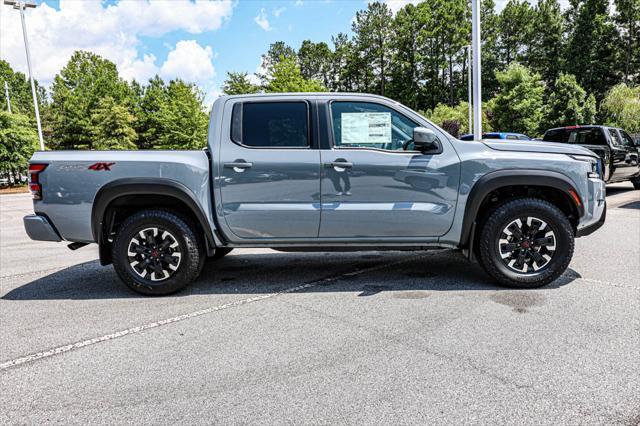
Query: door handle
{"points": [[342, 164], [238, 165]]}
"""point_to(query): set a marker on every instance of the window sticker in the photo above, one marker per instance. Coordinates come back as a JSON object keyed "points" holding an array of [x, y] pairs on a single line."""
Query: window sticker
{"points": [[366, 128]]}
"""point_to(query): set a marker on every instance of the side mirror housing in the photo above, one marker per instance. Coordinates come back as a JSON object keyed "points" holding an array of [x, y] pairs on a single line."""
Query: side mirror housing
{"points": [[426, 141]]}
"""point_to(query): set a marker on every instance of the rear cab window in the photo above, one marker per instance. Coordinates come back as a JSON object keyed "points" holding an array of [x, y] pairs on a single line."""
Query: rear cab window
{"points": [[580, 136], [282, 124]]}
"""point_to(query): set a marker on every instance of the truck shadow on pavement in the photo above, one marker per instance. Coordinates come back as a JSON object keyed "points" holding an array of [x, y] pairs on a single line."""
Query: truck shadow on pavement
{"points": [[363, 273]]}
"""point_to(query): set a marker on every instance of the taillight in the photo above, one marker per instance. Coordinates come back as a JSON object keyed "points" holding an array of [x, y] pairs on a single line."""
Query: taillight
{"points": [[34, 182]]}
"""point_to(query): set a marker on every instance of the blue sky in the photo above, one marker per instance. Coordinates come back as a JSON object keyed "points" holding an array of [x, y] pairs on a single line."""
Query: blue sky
{"points": [[196, 40]]}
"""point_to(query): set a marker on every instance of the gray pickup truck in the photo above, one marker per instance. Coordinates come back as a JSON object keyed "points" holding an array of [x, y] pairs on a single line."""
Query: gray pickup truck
{"points": [[320, 172]]}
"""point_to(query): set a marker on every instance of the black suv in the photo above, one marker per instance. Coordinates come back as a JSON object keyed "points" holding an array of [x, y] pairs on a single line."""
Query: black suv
{"points": [[616, 148]]}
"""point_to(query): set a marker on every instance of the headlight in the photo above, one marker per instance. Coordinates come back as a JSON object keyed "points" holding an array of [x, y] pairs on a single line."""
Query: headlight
{"points": [[596, 165]]}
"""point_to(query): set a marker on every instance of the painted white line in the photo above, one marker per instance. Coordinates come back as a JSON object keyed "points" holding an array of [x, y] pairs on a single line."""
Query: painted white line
{"points": [[139, 329]]}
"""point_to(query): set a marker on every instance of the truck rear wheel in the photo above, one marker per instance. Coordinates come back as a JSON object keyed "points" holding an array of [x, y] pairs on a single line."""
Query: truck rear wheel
{"points": [[156, 253], [526, 243]]}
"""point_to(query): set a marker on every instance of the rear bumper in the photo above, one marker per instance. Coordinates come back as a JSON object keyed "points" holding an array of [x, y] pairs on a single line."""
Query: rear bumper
{"points": [[40, 229]]}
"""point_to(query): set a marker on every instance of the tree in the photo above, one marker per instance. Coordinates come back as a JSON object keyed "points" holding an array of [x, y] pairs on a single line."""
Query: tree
{"points": [[621, 107], [112, 126], [404, 82], [628, 18], [183, 122], [490, 49], [18, 141], [277, 51], [152, 98], [372, 32], [518, 105], [315, 61], [592, 50], [237, 83], [515, 29], [458, 114], [287, 78], [547, 41], [76, 92], [19, 91], [568, 104]]}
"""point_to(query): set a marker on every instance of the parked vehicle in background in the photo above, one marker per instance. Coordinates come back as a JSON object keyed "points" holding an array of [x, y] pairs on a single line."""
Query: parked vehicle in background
{"points": [[319, 172], [4, 182], [499, 135], [617, 149]]}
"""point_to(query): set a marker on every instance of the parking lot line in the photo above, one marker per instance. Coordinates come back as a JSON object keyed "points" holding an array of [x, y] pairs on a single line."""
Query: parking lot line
{"points": [[138, 329]]}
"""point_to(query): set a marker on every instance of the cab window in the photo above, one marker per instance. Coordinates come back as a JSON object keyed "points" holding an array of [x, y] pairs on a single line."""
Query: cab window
{"points": [[270, 124], [369, 125]]}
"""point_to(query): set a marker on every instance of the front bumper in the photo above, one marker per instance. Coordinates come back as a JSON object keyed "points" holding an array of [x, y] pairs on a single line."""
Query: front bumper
{"points": [[39, 228], [595, 208]]}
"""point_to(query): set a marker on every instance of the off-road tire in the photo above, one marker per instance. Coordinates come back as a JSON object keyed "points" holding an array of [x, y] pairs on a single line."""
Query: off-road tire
{"points": [[492, 228], [220, 252], [190, 246]]}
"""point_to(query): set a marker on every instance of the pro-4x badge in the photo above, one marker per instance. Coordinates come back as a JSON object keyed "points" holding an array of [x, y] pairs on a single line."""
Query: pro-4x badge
{"points": [[101, 166]]}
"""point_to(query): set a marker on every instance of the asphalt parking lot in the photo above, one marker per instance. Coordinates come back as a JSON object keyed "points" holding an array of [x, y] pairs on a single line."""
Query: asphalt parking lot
{"points": [[350, 338]]}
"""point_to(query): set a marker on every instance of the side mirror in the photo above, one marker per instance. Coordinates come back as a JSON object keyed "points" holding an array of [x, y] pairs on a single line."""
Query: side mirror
{"points": [[426, 141]]}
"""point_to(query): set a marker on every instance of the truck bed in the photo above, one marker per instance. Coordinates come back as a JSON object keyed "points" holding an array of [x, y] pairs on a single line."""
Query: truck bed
{"points": [[72, 179]]}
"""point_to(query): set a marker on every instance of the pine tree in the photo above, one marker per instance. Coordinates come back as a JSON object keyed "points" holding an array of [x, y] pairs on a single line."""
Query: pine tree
{"points": [[237, 83]]}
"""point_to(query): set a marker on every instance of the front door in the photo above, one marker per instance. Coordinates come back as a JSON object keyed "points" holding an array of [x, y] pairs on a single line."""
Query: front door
{"points": [[373, 187], [269, 176], [625, 155]]}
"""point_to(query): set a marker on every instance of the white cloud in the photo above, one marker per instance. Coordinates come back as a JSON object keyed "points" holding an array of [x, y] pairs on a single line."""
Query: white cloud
{"points": [[279, 11], [111, 31], [189, 61], [262, 20], [298, 3]]}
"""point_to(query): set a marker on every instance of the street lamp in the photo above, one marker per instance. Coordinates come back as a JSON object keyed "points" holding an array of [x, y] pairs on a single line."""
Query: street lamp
{"points": [[21, 5], [469, 89], [477, 69]]}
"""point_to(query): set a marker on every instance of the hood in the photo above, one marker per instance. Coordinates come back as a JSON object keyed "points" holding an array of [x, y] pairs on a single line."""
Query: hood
{"points": [[537, 146]]}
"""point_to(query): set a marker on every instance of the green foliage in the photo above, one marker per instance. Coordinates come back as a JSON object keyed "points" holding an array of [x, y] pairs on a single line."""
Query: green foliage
{"points": [[277, 52], [515, 26], [568, 104], [315, 61], [459, 114], [112, 126], [286, 77], [545, 55], [621, 107], [593, 52], [76, 93], [628, 18], [18, 141], [372, 37], [182, 121], [518, 105], [151, 99], [237, 83]]}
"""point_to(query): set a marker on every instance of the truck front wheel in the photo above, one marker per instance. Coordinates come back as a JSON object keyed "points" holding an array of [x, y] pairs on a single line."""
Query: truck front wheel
{"points": [[156, 253], [526, 243]]}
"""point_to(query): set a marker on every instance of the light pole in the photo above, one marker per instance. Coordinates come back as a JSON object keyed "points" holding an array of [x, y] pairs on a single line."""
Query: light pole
{"points": [[21, 5], [477, 70], [469, 88], [6, 95]]}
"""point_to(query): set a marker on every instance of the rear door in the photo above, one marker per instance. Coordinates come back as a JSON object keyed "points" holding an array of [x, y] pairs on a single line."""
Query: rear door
{"points": [[268, 170]]}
